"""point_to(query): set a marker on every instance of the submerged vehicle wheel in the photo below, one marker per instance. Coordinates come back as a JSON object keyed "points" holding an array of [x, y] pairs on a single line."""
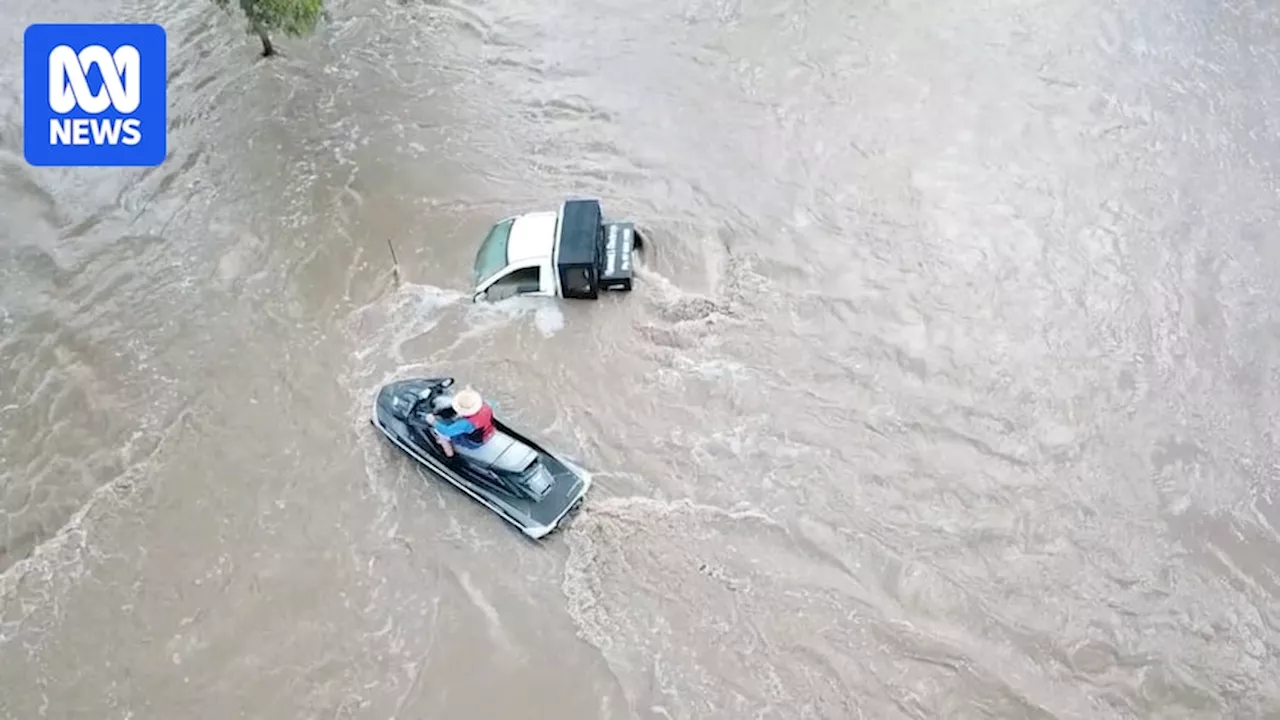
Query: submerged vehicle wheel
{"points": [[641, 245]]}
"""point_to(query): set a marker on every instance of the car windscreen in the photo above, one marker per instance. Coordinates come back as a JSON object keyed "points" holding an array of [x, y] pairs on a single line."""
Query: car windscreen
{"points": [[492, 255]]}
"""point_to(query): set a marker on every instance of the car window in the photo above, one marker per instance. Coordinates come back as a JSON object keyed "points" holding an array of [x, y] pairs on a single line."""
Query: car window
{"points": [[492, 255], [524, 280]]}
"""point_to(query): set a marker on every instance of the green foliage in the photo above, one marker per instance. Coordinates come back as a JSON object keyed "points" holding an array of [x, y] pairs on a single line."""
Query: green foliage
{"points": [[291, 17]]}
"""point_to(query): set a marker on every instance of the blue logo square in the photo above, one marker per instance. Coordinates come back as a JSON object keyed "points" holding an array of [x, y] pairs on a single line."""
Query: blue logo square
{"points": [[94, 95]]}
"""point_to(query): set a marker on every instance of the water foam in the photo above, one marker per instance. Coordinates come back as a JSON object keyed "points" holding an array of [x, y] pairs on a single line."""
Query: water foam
{"points": [[58, 563]]}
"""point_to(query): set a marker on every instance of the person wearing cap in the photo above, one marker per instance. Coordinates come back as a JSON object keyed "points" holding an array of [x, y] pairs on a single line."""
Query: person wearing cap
{"points": [[472, 427]]}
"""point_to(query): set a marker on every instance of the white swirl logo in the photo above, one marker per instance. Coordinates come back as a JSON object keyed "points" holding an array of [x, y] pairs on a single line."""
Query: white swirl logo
{"points": [[121, 79]]}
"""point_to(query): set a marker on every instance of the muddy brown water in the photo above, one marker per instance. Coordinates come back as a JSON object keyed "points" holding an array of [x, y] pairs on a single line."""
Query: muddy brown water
{"points": [[949, 388]]}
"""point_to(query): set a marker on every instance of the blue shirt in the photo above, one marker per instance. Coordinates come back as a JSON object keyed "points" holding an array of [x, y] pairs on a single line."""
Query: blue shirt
{"points": [[454, 428]]}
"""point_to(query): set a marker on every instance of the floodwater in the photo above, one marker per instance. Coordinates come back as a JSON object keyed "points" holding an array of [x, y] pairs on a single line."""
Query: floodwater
{"points": [[949, 388]]}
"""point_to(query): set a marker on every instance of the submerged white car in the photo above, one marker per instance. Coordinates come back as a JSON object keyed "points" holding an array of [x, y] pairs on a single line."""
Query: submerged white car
{"points": [[571, 253]]}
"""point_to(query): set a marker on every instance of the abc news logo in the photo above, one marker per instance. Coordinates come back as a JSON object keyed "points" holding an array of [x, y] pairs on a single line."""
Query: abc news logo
{"points": [[95, 94], [69, 89]]}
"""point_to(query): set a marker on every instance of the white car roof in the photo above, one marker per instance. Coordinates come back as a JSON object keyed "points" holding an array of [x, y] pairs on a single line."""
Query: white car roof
{"points": [[532, 237]]}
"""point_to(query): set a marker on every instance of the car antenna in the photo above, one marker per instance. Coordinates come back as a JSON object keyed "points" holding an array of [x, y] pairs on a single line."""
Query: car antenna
{"points": [[395, 262]]}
